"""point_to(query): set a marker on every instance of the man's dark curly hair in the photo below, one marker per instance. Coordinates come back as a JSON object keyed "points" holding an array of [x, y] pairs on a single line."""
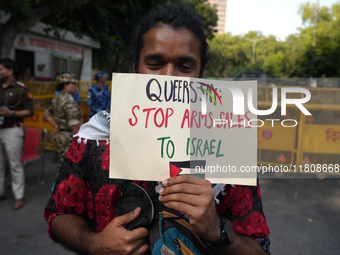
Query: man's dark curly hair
{"points": [[175, 16]]}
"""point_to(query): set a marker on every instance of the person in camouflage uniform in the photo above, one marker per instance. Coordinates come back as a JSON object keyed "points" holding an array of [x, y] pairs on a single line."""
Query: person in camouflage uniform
{"points": [[68, 115]]}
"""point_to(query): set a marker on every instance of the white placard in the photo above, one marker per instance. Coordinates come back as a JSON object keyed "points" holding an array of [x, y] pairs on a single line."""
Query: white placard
{"points": [[158, 128]]}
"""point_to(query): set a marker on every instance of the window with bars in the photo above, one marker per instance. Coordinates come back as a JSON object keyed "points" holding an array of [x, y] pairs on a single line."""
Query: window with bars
{"points": [[61, 64]]}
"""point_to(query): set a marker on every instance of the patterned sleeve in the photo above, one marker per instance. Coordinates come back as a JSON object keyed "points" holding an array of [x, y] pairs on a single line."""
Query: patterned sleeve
{"points": [[71, 192], [243, 206], [83, 186]]}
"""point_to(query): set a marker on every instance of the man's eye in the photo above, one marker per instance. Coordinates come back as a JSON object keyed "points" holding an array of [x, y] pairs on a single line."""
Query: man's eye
{"points": [[185, 67], [154, 65]]}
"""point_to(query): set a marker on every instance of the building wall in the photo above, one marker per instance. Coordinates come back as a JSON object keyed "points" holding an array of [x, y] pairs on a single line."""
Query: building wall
{"points": [[221, 6], [48, 55], [52, 56]]}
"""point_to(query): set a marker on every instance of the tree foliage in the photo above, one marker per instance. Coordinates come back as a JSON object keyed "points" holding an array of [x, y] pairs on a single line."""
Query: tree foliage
{"points": [[294, 57], [231, 55], [322, 60], [110, 22]]}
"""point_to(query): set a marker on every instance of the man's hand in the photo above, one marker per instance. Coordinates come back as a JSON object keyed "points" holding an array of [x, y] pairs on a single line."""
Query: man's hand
{"points": [[116, 239], [194, 197], [74, 232]]}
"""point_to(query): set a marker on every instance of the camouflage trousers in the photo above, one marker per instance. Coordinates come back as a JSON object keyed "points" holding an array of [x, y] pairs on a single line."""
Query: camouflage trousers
{"points": [[63, 141]]}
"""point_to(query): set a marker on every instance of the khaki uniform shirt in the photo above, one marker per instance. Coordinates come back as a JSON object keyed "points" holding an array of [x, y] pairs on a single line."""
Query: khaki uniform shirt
{"points": [[16, 97], [66, 110]]}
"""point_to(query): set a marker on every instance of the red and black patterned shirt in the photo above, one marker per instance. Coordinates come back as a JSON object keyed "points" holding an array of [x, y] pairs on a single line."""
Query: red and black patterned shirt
{"points": [[83, 187]]}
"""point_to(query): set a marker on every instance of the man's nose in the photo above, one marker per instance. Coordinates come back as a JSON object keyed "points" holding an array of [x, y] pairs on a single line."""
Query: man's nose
{"points": [[169, 69]]}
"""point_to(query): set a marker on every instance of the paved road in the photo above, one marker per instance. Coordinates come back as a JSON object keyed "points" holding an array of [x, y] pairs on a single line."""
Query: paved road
{"points": [[303, 216]]}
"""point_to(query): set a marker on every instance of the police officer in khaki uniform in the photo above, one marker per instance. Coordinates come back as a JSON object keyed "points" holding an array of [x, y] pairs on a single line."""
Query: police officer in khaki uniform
{"points": [[67, 115], [15, 104]]}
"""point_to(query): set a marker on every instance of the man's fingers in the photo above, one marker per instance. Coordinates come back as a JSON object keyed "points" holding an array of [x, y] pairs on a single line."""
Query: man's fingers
{"points": [[144, 249], [132, 246], [186, 188], [128, 217], [181, 207], [140, 233], [189, 199], [185, 178]]}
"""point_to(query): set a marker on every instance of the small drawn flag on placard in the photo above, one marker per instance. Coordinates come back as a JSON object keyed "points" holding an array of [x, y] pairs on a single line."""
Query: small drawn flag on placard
{"points": [[185, 167]]}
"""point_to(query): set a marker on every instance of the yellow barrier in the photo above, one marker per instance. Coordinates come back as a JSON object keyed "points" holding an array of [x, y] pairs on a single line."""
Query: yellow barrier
{"points": [[276, 138], [316, 139]]}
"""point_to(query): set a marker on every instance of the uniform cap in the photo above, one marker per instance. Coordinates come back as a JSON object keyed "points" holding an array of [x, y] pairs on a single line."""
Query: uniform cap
{"points": [[65, 78], [99, 75]]}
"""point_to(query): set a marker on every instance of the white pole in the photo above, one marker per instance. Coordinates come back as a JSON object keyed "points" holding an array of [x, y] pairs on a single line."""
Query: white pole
{"points": [[254, 42]]}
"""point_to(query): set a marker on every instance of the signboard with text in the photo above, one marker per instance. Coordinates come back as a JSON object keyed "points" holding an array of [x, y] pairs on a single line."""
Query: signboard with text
{"points": [[164, 126], [42, 44]]}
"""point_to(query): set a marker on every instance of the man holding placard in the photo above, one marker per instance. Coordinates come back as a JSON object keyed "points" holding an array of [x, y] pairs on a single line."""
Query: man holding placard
{"points": [[82, 210]]}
